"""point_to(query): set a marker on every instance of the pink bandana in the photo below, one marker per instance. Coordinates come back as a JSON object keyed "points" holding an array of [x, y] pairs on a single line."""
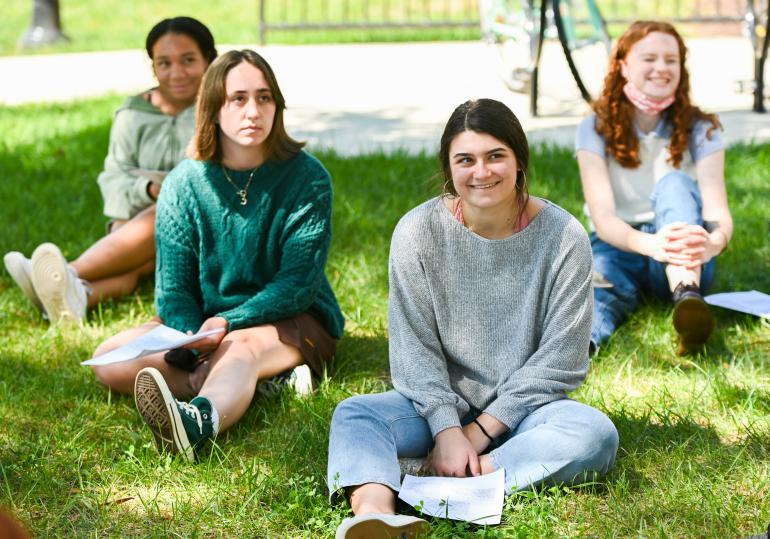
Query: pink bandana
{"points": [[645, 103]]}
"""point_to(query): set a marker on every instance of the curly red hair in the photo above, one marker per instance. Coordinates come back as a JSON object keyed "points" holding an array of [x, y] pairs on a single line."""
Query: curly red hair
{"points": [[615, 113]]}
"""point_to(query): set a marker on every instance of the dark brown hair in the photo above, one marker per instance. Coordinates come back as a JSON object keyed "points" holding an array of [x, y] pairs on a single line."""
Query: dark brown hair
{"points": [[279, 145], [615, 113], [187, 26], [495, 119]]}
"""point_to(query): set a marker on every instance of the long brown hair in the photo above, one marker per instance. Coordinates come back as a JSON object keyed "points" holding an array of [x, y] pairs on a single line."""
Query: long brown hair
{"points": [[615, 113], [279, 145]]}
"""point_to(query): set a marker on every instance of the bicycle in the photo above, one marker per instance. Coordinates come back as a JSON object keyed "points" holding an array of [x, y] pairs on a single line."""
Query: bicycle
{"points": [[756, 27], [519, 28]]}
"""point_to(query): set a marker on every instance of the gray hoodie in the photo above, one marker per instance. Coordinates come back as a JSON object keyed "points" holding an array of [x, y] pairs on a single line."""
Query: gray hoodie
{"points": [[145, 144]]}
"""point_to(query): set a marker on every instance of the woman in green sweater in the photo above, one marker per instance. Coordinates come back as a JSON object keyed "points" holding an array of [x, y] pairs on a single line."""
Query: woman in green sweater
{"points": [[242, 235], [148, 138]]}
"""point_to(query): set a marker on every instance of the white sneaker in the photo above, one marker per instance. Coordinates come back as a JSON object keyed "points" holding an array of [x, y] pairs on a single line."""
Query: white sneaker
{"points": [[382, 525], [62, 293], [301, 380], [20, 269]]}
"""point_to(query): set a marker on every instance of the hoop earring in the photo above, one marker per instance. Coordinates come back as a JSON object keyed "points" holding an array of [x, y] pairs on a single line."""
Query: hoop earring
{"points": [[523, 186], [445, 187]]}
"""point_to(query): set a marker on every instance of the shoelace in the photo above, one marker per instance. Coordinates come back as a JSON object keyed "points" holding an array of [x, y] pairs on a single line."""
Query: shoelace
{"points": [[192, 411]]}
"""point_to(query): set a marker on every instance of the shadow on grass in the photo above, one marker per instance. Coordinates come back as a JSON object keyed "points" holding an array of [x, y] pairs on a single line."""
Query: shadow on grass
{"points": [[662, 433]]}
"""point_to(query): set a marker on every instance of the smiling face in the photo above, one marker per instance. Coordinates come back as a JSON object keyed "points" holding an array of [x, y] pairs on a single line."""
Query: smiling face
{"points": [[246, 117], [179, 66], [653, 64], [483, 170]]}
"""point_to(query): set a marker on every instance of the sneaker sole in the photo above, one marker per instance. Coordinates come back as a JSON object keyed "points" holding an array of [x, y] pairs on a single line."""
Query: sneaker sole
{"points": [[156, 405], [369, 529], [50, 278], [694, 323], [20, 277]]}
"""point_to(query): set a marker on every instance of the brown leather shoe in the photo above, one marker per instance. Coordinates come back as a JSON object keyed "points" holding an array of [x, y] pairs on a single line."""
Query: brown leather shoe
{"points": [[692, 318]]}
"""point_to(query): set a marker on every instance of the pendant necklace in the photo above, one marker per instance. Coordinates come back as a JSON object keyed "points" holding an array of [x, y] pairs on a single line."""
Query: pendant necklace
{"points": [[242, 193]]}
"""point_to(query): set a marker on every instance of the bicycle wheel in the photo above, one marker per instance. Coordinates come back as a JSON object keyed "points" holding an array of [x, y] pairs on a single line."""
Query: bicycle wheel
{"points": [[585, 41], [514, 26]]}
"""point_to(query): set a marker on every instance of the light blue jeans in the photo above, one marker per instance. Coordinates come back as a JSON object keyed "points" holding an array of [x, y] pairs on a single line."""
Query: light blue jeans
{"points": [[561, 442], [675, 198]]}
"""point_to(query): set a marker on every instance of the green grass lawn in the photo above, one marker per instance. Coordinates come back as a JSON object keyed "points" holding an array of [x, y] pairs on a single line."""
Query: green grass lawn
{"points": [[113, 24], [77, 461]]}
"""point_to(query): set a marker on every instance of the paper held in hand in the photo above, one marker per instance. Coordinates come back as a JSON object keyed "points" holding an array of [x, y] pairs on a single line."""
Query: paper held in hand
{"points": [[751, 302], [158, 340], [473, 499]]}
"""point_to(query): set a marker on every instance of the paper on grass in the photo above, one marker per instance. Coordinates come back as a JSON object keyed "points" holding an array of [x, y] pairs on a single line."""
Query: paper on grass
{"points": [[751, 302], [159, 339], [473, 499]]}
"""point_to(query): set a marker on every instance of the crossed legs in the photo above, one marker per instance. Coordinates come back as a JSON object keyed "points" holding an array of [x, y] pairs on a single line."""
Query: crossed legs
{"points": [[560, 442], [228, 378]]}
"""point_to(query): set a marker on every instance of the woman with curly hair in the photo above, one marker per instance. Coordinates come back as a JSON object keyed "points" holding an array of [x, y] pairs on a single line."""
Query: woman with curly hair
{"points": [[652, 168]]}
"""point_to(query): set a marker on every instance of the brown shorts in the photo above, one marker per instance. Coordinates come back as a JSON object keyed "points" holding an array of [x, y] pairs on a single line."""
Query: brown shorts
{"points": [[311, 338]]}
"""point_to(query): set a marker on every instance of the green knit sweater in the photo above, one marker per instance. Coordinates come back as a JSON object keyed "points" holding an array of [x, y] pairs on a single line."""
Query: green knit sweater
{"points": [[250, 264]]}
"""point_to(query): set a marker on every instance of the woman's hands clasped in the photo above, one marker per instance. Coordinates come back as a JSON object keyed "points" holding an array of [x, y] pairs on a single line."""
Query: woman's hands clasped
{"points": [[458, 452], [453, 455], [682, 244]]}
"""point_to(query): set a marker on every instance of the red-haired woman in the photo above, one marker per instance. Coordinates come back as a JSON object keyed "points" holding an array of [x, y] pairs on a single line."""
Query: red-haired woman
{"points": [[652, 168]]}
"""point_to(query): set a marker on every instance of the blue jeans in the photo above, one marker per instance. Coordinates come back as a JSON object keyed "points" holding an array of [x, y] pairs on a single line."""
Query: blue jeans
{"points": [[561, 442], [675, 198]]}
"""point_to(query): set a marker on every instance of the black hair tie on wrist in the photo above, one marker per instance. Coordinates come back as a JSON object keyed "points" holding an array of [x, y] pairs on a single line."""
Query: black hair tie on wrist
{"points": [[483, 430]]}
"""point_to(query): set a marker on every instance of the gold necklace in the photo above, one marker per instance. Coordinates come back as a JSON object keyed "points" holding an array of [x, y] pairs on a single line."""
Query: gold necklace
{"points": [[243, 193]]}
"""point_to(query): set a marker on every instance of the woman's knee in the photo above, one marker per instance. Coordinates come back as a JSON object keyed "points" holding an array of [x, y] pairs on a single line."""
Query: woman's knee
{"points": [[114, 377], [257, 339], [597, 445], [351, 409], [676, 186], [676, 179]]}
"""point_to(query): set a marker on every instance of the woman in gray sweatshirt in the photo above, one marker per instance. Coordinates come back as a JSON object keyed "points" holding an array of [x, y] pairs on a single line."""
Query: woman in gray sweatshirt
{"points": [[489, 322]]}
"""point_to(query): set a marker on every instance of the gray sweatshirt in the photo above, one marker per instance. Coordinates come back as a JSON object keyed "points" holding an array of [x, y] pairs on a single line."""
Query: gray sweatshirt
{"points": [[500, 326]]}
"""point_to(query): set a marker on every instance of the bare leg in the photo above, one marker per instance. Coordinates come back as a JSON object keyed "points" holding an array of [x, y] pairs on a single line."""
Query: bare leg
{"points": [[679, 274], [129, 247], [118, 286], [372, 498], [244, 357], [120, 376]]}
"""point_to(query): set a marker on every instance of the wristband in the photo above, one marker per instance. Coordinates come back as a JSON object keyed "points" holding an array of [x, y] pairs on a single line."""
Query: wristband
{"points": [[483, 430]]}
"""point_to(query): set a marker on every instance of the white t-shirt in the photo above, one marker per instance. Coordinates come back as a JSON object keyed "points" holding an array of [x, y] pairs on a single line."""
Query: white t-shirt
{"points": [[632, 187]]}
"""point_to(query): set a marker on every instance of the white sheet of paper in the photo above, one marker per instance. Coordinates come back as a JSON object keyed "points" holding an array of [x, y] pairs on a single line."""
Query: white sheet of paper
{"points": [[159, 339], [472, 499], [751, 302]]}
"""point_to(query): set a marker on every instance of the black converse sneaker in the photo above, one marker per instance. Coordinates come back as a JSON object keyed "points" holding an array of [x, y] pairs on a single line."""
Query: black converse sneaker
{"points": [[178, 427], [692, 318]]}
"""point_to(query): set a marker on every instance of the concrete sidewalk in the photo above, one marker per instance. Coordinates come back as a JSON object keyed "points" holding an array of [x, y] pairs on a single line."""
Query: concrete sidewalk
{"points": [[360, 98]]}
